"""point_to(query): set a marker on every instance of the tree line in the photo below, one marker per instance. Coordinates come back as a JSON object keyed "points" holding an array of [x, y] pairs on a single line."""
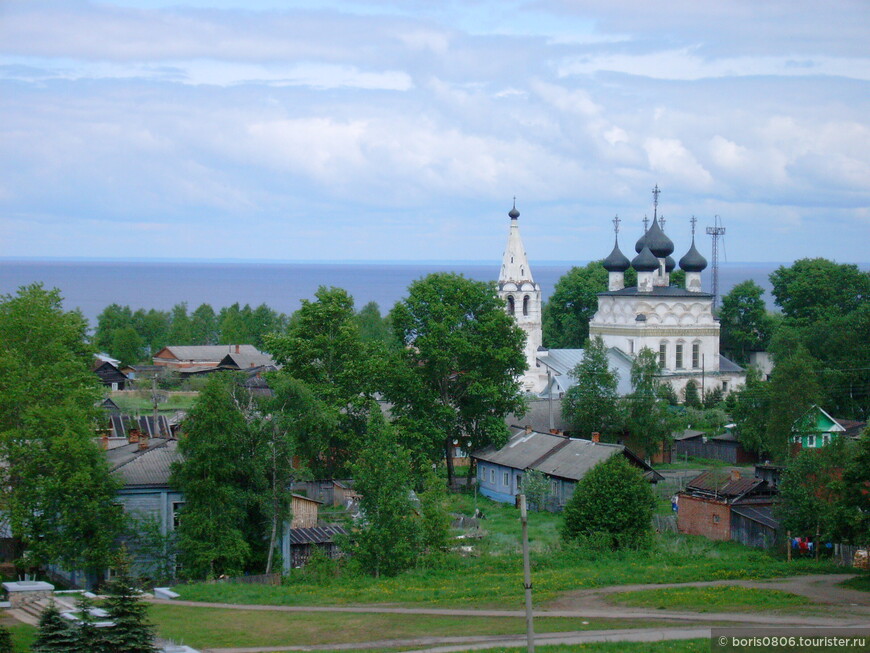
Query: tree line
{"points": [[447, 367]]}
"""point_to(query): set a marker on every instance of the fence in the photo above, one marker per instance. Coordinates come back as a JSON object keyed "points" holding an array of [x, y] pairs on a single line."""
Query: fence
{"points": [[665, 523]]}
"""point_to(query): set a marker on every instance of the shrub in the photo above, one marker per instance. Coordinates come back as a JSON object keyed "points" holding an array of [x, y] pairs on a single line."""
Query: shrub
{"points": [[612, 506]]}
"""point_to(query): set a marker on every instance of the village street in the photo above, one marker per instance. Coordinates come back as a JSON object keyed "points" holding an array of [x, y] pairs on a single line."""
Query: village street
{"points": [[838, 607]]}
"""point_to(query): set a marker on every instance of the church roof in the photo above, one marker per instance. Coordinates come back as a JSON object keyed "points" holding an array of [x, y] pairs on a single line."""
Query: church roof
{"points": [[693, 261], [616, 261], [657, 291], [645, 261], [515, 263], [670, 264]]}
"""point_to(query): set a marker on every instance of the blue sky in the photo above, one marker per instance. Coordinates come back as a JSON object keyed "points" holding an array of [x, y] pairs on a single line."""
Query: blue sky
{"points": [[385, 130]]}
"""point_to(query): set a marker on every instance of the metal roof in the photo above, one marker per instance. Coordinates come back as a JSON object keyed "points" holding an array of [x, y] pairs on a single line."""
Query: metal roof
{"points": [[726, 365], [207, 352], [721, 483], [522, 450], [657, 291], [144, 468], [315, 535], [576, 458]]}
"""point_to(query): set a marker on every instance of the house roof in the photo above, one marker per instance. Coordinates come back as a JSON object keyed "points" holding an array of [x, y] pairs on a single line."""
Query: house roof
{"points": [[761, 514], [538, 416], [720, 482], [852, 427], [204, 353], [657, 291], [563, 361], [726, 365], [688, 434], [144, 468], [557, 455], [245, 360], [315, 535], [302, 497]]}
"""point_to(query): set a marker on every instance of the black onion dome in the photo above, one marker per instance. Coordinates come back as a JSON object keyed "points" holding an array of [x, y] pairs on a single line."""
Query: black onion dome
{"points": [[670, 264], [513, 214], [645, 261], [659, 244], [693, 261], [617, 261]]}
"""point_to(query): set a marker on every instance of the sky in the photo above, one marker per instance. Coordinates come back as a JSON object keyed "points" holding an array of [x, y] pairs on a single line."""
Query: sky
{"points": [[402, 130]]}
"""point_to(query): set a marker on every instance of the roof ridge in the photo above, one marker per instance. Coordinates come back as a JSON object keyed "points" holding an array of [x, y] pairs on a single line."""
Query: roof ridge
{"points": [[559, 446]]}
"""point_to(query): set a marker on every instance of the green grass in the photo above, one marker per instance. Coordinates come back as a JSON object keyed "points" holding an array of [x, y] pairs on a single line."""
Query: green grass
{"points": [[716, 598], [694, 463], [861, 582], [22, 634], [140, 401], [218, 627], [670, 646]]}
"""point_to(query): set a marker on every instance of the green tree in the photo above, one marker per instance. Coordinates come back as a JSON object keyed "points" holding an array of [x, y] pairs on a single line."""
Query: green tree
{"points": [[746, 326], [648, 419], [111, 319], [457, 379], [86, 635], [180, 327], [536, 487], [592, 404], [322, 347], [812, 491], [794, 388], [6, 645], [855, 502], [56, 488], [234, 324], [389, 540], [54, 633], [435, 518], [811, 289], [751, 407], [204, 326], [155, 551], [153, 327], [215, 477], [264, 321], [612, 504], [127, 346], [132, 632], [373, 327], [692, 398]]}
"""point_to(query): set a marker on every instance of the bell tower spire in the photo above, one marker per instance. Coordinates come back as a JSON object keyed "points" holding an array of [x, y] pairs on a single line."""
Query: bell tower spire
{"points": [[522, 297]]}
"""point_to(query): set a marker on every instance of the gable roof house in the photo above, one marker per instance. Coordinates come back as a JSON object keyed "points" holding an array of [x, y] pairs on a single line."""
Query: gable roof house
{"points": [[110, 375], [562, 459], [722, 505], [817, 427], [200, 357]]}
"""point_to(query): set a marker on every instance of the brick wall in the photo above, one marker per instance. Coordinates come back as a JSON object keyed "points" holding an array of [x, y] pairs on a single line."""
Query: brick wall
{"points": [[704, 517]]}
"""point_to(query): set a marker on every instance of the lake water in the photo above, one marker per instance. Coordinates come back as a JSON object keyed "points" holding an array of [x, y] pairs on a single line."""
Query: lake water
{"points": [[92, 285]]}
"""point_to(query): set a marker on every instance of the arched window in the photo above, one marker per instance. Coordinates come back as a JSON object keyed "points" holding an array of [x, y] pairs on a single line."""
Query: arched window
{"points": [[510, 302], [526, 305]]}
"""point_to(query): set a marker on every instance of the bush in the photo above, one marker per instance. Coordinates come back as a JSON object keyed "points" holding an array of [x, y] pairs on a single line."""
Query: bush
{"points": [[611, 507]]}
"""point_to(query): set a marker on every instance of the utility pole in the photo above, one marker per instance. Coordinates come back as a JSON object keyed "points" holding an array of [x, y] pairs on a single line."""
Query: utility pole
{"points": [[527, 576], [716, 231]]}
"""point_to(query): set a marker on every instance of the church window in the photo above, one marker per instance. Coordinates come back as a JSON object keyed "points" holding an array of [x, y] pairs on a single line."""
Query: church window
{"points": [[526, 305], [663, 355], [510, 303], [696, 355], [679, 355]]}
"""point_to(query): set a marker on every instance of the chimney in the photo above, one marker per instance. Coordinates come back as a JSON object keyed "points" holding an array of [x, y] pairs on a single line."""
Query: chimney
{"points": [[596, 436], [133, 436], [735, 474], [528, 429], [238, 349], [143, 442]]}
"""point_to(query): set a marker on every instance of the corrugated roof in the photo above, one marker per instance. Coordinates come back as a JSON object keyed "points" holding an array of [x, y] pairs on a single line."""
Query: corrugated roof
{"points": [[522, 449], [151, 467], [761, 514], [208, 352], [721, 483], [577, 457], [316, 535]]}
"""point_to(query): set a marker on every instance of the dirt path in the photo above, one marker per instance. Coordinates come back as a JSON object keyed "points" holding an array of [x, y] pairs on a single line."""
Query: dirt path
{"points": [[821, 588]]}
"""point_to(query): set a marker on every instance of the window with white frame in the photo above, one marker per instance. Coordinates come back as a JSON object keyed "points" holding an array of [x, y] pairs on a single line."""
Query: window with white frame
{"points": [[505, 479], [492, 476], [696, 355], [678, 352], [811, 440]]}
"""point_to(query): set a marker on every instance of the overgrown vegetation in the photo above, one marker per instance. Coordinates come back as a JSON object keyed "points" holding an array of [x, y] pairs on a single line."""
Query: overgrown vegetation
{"points": [[715, 598]]}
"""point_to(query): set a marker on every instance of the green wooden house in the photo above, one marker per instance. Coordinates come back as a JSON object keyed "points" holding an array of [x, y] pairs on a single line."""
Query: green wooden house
{"points": [[816, 428]]}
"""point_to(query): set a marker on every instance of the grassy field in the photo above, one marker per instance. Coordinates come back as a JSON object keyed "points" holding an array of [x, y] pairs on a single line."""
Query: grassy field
{"points": [[492, 577], [139, 401], [717, 598], [214, 627], [675, 646], [858, 583]]}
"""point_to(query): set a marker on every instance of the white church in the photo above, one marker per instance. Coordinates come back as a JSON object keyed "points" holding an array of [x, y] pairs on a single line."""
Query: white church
{"points": [[676, 323]]}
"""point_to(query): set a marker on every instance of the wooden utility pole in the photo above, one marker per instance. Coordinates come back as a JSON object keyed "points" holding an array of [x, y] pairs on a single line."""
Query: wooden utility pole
{"points": [[788, 544], [527, 576]]}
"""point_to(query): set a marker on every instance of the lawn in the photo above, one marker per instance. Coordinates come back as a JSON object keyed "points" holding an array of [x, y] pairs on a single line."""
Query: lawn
{"points": [[493, 576], [716, 598], [671, 646], [217, 627]]}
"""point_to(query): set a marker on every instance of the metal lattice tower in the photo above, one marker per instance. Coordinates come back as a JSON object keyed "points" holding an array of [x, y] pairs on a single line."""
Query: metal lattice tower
{"points": [[715, 231]]}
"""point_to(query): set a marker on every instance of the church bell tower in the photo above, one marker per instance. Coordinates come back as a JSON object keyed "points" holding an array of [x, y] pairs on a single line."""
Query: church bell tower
{"points": [[522, 297]]}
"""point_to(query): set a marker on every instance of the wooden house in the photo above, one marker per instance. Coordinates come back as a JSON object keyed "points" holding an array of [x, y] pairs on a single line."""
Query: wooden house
{"points": [[817, 427], [707, 507], [110, 375], [562, 459]]}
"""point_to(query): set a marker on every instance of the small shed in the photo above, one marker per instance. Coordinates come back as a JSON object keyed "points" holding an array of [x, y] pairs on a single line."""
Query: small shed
{"points": [[754, 525], [305, 511], [110, 376], [300, 542]]}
